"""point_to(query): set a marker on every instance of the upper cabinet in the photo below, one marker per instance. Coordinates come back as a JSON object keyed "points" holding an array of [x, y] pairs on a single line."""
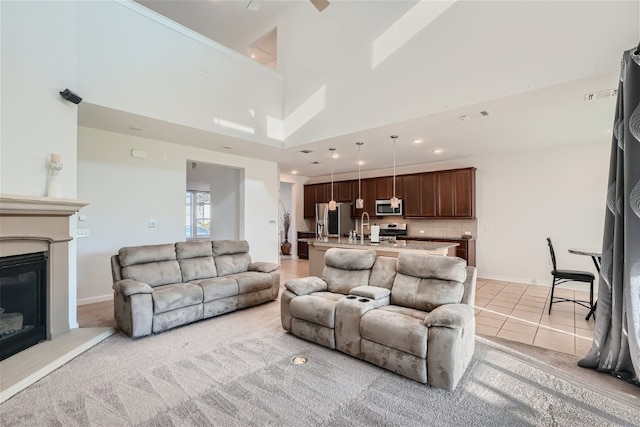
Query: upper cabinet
{"points": [[384, 187], [342, 191], [315, 193], [449, 194], [419, 195], [444, 194]]}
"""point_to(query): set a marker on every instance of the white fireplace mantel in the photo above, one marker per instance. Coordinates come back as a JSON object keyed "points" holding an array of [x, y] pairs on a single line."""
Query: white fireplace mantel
{"points": [[11, 204]]}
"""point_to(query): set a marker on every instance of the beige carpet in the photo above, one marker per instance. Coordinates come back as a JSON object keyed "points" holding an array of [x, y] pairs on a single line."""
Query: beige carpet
{"points": [[236, 370]]}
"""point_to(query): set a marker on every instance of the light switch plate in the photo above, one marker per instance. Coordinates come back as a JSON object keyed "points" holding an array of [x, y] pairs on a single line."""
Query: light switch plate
{"points": [[153, 223]]}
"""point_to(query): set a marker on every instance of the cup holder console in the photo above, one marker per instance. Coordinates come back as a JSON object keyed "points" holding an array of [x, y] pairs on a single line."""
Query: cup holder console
{"points": [[359, 299]]}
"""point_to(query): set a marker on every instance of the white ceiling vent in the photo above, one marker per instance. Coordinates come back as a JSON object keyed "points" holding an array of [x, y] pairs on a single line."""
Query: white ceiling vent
{"points": [[603, 94]]}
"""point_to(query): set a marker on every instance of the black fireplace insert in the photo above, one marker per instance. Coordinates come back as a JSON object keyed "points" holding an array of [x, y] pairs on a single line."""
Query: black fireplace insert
{"points": [[23, 302]]}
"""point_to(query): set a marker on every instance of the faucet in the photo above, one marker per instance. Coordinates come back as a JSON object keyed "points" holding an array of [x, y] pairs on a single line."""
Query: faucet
{"points": [[362, 224]]}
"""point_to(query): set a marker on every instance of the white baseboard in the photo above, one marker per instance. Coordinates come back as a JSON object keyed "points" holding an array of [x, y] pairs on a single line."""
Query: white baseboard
{"points": [[93, 300]]}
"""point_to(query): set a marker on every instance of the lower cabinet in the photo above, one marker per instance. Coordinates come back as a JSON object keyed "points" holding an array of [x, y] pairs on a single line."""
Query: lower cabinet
{"points": [[303, 247]]}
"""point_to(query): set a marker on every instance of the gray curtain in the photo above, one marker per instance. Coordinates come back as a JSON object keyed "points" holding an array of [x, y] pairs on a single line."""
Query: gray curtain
{"points": [[616, 342]]}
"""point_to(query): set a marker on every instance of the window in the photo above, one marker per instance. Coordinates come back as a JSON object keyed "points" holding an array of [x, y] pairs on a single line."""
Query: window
{"points": [[198, 215]]}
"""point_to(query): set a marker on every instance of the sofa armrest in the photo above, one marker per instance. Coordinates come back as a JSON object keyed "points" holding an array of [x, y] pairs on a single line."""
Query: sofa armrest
{"points": [[454, 316], [371, 292], [263, 267], [128, 287], [306, 285]]}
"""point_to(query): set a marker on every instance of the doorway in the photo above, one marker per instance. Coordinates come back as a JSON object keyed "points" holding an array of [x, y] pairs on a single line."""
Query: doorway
{"points": [[213, 208]]}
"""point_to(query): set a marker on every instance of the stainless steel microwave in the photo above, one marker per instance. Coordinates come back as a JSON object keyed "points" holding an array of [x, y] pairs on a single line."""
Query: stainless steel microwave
{"points": [[383, 208]]}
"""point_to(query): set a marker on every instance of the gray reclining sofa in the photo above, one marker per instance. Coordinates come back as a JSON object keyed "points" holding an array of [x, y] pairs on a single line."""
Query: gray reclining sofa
{"points": [[412, 315], [159, 287]]}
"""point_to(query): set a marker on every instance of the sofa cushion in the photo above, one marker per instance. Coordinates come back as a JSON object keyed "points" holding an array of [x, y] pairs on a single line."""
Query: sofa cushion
{"points": [[154, 273], [350, 259], [316, 308], [306, 285], [197, 268], [230, 264], [217, 288], [178, 295], [346, 269], [229, 247], [146, 254], [194, 249], [395, 330], [411, 312], [428, 266], [251, 281], [424, 294], [383, 272]]}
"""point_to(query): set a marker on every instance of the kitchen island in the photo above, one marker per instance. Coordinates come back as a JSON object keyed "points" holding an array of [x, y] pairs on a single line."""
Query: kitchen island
{"points": [[386, 248]]}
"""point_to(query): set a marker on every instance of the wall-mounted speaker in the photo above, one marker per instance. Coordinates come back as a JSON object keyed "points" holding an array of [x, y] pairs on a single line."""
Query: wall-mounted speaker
{"points": [[71, 96]]}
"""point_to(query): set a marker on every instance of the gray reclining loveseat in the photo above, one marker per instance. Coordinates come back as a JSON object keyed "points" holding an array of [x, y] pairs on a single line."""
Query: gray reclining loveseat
{"points": [[413, 314], [159, 287]]}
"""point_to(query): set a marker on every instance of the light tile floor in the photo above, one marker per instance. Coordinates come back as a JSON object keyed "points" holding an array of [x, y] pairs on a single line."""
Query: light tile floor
{"points": [[519, 312]]}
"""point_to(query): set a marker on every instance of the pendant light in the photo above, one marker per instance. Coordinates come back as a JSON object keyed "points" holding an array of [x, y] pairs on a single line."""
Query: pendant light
{"points": [[395, 202], [332, 202], [359, 201]]}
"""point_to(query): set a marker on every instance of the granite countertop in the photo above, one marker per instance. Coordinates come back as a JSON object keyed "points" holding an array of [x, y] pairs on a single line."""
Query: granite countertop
{"points": [[385, 244]]}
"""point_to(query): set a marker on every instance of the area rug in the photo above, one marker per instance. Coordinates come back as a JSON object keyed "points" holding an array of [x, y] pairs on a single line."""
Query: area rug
{"points": [[237, 370]]}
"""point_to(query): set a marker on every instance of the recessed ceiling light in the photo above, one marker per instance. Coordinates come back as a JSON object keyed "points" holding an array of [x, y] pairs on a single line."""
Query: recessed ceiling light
{"points": [[417, 141], [335, 156], [253, 56], [227, 147], [306, 151], [132, 127], [437, 151], [315, 162], [361, 162], [294, 172], [465, 118]]}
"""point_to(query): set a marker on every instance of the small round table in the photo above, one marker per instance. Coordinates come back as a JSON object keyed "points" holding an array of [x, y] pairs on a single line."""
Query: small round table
{"points": [[596, 255]]}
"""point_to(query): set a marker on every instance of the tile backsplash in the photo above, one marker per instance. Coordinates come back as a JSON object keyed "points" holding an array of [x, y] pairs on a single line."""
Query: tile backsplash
{"points": [[434, 228]]}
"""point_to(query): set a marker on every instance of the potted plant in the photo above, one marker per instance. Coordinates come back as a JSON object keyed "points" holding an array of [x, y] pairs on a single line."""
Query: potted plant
{"points": [[285, 247]]}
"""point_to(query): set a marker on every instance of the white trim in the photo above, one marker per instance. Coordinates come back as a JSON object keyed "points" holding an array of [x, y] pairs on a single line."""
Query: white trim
{"points": [[569, 285], [163, 20], [92, 300]]}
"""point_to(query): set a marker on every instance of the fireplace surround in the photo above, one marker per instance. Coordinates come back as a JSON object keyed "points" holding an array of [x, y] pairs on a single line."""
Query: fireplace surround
{"points": [[33, 224]]}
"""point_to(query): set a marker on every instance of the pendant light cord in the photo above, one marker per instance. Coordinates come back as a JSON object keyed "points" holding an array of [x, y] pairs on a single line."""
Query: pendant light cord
{"points": [[394, 137]]}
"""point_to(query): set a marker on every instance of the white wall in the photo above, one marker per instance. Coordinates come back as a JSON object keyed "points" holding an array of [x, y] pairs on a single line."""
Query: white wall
{"points": [[126, 192], [133, 60], [38, 61]]}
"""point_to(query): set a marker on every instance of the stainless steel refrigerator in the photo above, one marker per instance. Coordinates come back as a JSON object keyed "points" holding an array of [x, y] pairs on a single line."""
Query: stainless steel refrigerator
{"points": [[336, 223]]}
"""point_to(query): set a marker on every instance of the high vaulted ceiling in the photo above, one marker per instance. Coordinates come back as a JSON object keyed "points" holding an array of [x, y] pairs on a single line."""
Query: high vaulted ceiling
{"points": [[546, 116]]}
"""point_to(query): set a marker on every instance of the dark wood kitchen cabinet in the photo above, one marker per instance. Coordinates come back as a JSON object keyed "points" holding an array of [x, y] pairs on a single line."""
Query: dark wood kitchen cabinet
{"points": [[384, 187], [368, 194], [309, 201], [342, 191], [419, 195], [443, 194], [449, 194], [315, 193], [303, 247], [456, 193]]}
